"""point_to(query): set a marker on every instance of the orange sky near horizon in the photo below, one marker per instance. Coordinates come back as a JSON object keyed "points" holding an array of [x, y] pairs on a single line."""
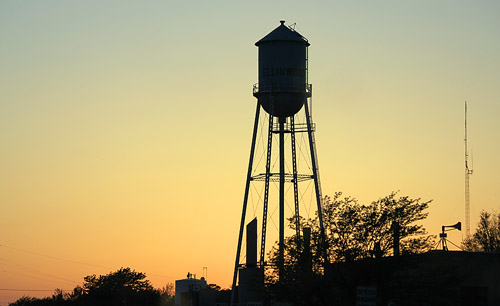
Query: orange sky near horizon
{"points": [[125, 127]]}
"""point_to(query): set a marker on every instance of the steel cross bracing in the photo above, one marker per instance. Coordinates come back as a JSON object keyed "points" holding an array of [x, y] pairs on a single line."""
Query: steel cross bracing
{"points": [[281, 177], [298, 127], [285, 125], [289, 177]]}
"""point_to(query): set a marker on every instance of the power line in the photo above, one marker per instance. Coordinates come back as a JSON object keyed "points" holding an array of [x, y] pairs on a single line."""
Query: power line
{"points": [[25, 268], [53, 257], [44, 279], [66, 260], [9, 289], [158, 275]]}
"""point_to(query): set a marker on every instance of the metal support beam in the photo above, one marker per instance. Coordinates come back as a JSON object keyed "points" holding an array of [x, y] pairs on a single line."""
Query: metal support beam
{"points": [[266, 192], [295, 182], [317, 186], [281, 258], [245, 201]]}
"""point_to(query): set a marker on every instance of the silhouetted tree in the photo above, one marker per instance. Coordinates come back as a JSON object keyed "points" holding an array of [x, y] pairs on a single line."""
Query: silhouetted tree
{"points": [[76, 294], [58, 298], [124, 287], [486, 238], [354, 231], [377, 220], [24, 300], [167, 294], [124, 277]]}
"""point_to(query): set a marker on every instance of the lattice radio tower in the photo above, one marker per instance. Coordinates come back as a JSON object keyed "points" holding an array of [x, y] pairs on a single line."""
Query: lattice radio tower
{"points": [[468, 172]]}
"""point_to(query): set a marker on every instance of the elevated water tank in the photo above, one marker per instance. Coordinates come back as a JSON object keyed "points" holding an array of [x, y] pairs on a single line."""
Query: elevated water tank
{"points": [[282, 89]]}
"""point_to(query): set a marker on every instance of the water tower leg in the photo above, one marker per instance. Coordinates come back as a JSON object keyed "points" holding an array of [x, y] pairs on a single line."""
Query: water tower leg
{"points": [[281, 260], [266, 191], [317, 186], [245, 201]]}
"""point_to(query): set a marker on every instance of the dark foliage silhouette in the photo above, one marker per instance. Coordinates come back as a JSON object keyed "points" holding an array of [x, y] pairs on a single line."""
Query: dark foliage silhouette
{"points": [[122, 287], [353, 232], [486, 237]]}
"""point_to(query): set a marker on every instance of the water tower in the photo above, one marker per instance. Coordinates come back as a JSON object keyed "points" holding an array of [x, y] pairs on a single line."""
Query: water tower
{"points": [[284, 94]]}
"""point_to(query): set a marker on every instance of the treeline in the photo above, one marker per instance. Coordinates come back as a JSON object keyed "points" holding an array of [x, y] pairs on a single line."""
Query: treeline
{"points": [[122, 287]]}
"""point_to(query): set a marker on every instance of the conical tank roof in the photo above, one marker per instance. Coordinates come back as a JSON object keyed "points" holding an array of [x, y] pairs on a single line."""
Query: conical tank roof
{"points": [[283, 33]]}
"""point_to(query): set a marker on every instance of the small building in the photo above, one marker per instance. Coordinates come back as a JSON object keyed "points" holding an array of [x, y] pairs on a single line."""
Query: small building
{"points": [[193, 292]]}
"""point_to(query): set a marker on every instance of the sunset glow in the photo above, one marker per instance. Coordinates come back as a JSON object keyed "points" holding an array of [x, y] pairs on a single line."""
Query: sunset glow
{"points": [[125, 126]]}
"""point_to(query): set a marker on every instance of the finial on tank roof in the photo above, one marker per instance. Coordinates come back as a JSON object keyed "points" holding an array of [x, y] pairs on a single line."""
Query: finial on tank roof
{"points": [[282, 22]]}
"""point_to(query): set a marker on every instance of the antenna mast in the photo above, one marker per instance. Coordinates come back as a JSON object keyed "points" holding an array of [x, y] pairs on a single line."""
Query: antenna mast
{"points": [[467, 173]]}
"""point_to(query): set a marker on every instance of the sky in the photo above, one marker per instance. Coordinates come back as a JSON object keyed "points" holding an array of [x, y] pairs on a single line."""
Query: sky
{"points": [[125, 126]]}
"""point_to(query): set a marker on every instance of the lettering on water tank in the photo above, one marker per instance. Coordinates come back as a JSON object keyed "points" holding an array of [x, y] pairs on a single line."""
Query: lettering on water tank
{"points": [[283, 71]]}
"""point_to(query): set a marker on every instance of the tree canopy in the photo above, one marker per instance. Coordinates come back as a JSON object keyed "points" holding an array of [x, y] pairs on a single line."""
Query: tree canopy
{"points": [[355, 231], [122, 287], [118, 280], [486, 237]]}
